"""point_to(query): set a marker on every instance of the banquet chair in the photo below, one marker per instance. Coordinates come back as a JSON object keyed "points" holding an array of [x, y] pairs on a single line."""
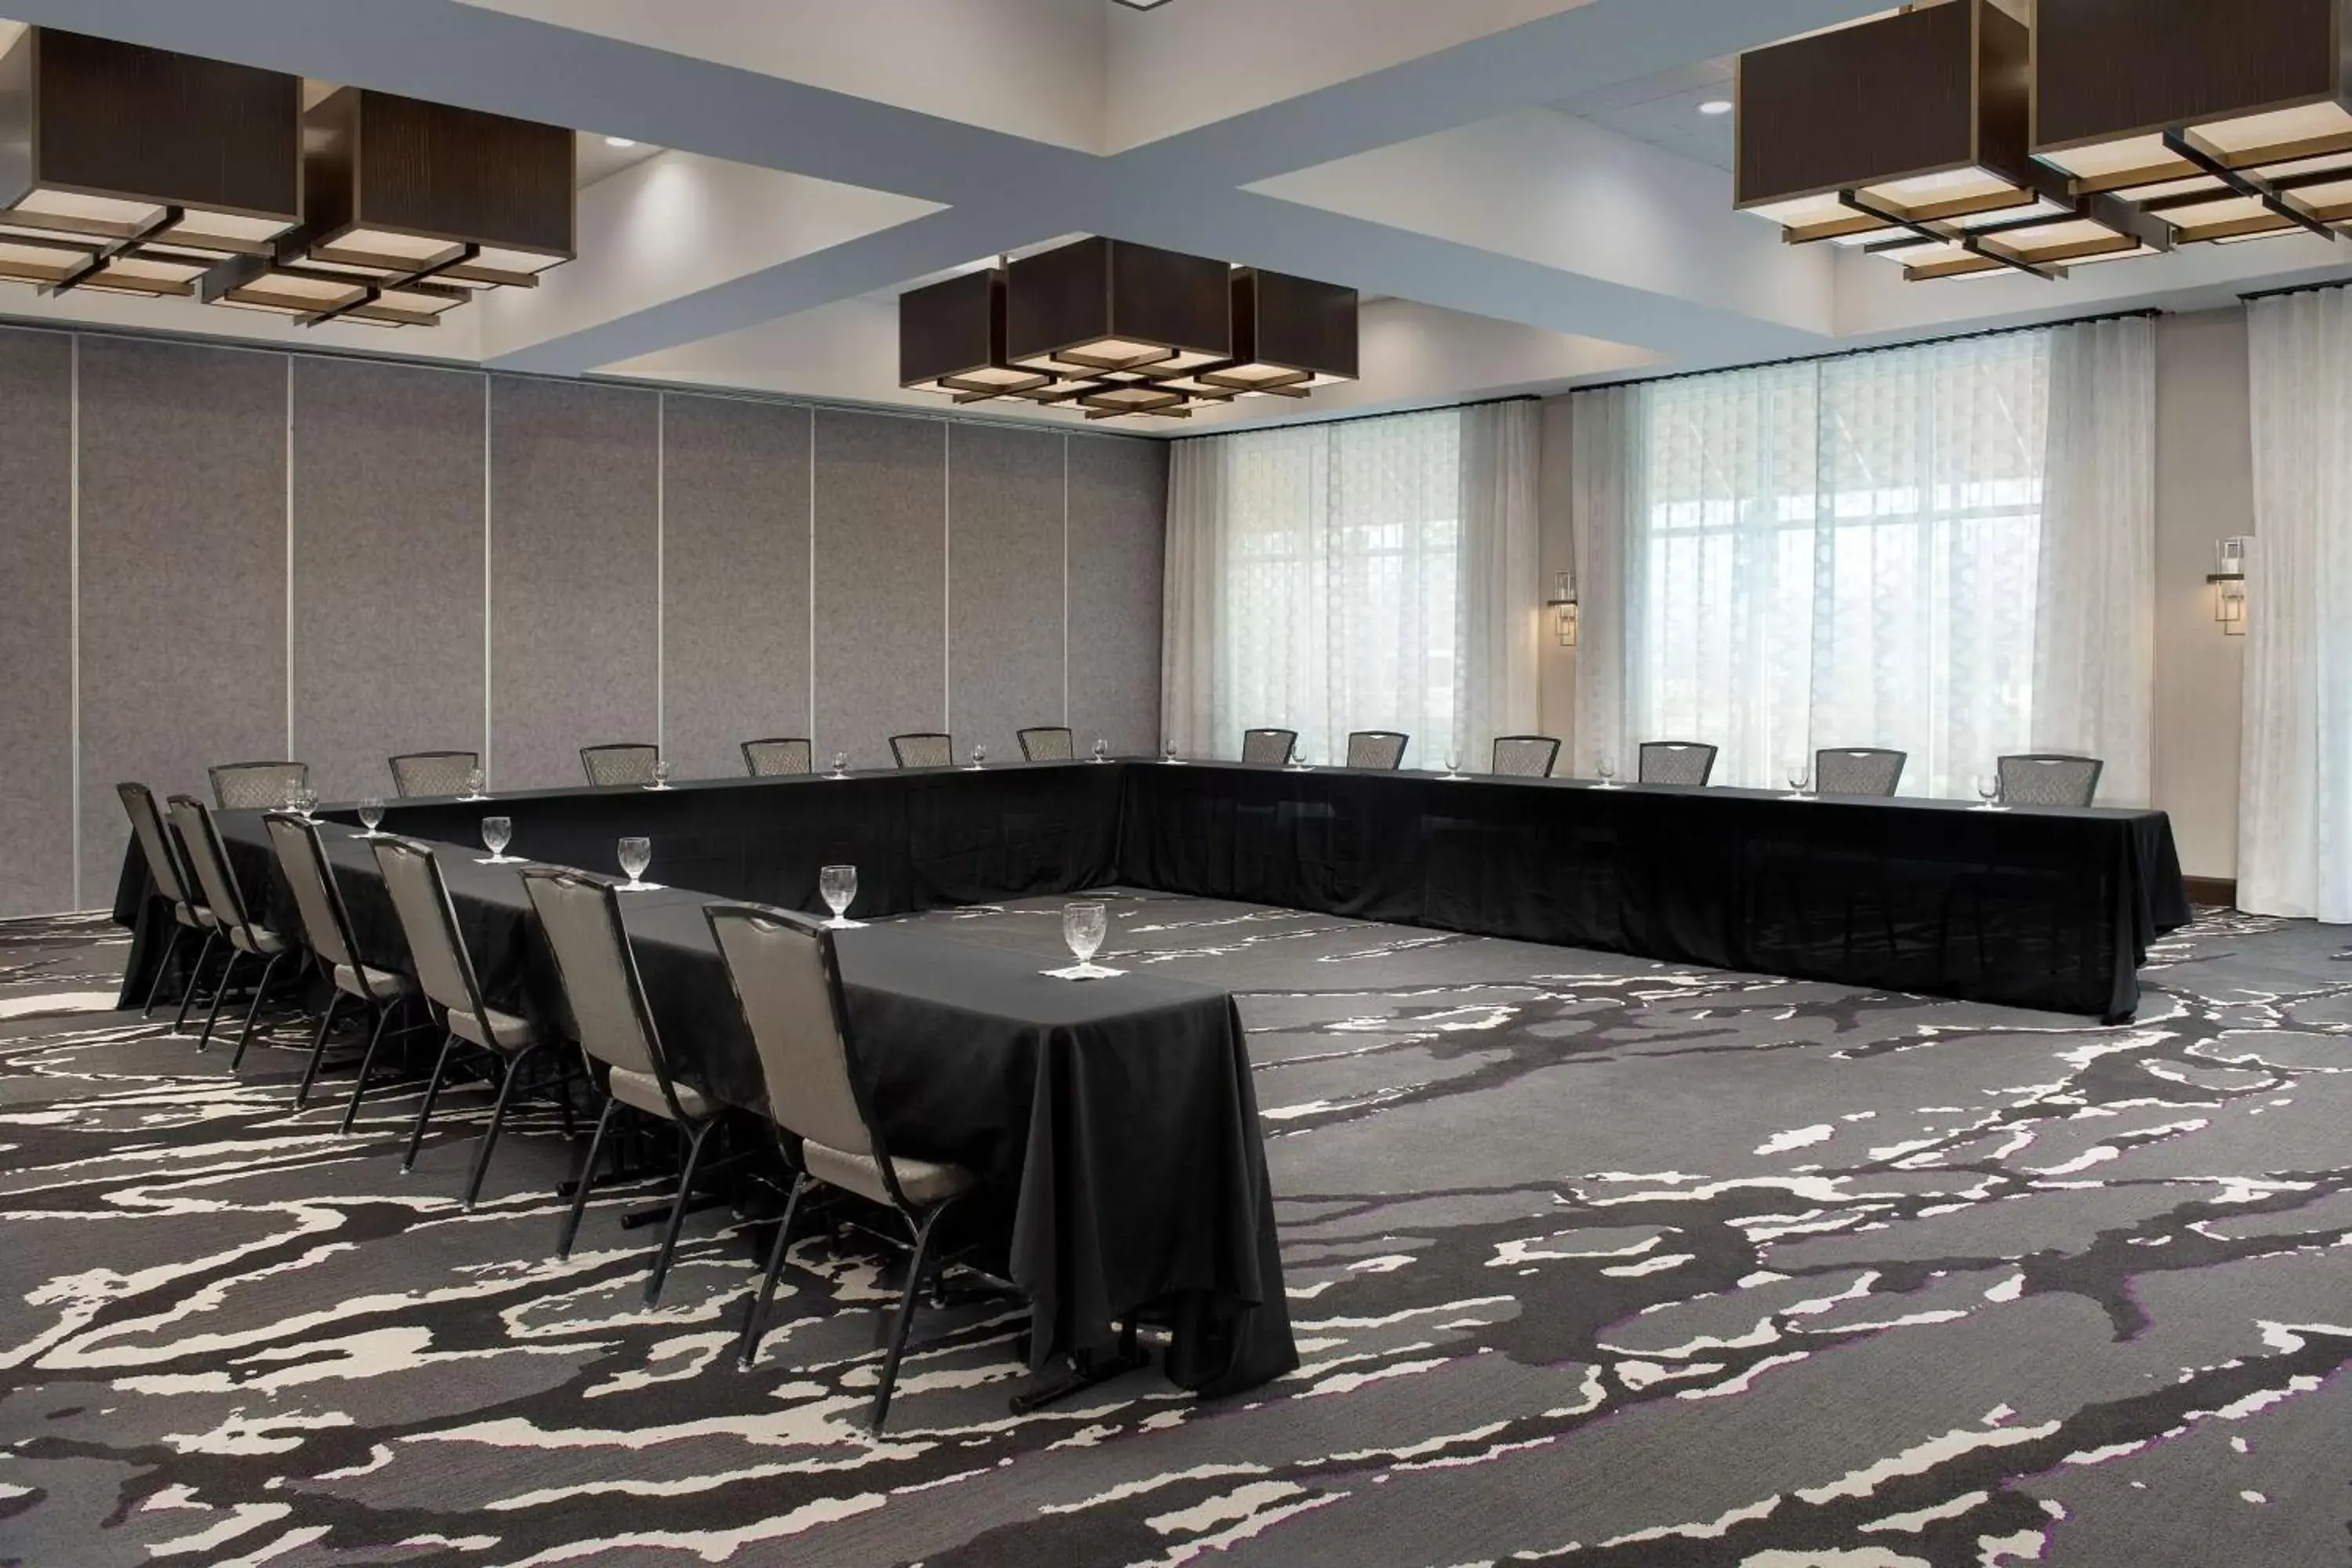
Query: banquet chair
{"points": [[1676, 762], [788, 983], [168, 864], [923, 750], [779, 758], [1270, 748], [1048, 744], [445, 974], [1381, 751], [432, 773], [1857, 770], [1526, 756], [580, 915], [620, 763], [327, 927], [2048, 778], [255, 786], [200, 836]]}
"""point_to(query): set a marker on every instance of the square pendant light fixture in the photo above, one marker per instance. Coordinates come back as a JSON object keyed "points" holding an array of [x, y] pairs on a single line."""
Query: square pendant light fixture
{"points": [[1098, 306], [951, 340], [1289, 334], [135, 170], [2224, 119], [1907, 136]]}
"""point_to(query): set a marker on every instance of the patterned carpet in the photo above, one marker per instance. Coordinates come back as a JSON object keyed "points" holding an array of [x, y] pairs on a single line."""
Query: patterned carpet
{"points": [[1591, 1260]]}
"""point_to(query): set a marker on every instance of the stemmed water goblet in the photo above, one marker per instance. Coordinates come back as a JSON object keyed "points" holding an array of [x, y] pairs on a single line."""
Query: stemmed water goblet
{"points": [[475, 780], [979, 757], [498, 832], [1988, 790], [1800, 782], [1168, 752], [1607, 769], [840, 765], [1084, 924], [1102, 750], [371, 814], [837, 885], [1453, 764], [661, 774], [635, 854]]}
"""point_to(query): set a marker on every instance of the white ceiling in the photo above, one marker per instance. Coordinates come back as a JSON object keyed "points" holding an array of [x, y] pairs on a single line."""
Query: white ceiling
{"points": [[1526, 187]]}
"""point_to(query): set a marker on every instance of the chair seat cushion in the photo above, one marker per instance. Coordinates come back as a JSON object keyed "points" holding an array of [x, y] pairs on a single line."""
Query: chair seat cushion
{"points": [[367, 982], [257, 940], [642, 1092], [501, 1032], [924, 1183]]}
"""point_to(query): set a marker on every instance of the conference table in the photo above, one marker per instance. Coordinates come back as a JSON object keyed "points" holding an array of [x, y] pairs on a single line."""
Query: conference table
{"points": [[1119, 1116]]}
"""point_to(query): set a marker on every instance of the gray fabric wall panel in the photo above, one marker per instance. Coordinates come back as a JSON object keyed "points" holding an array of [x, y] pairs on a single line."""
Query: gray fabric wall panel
{"points": [[880, 598], [36, 623], [1118, 510], [387, 567], [1005, 585], [574, 589], [735, 576], [183, 574]]}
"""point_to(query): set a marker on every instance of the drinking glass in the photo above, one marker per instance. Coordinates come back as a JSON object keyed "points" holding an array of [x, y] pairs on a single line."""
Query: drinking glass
{"points": [[370, 812], [1167, 750], [841, 764], [661, 773], [1454, 764], [474, 780], [305, 799], [1102, 750], [1800, 780], [1607, 771], [637, 853], [838, 885], [1989, 787], [1083, 925], [498, 832], [979, 757]]}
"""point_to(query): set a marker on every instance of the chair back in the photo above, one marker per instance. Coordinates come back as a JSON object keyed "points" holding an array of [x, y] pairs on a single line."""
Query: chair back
{"points": [[2050, 778], [432, 773], [192, 820], [1270, 747], [779, 758], [922, 750], [789, 985], [318, 898], [1677, 762], [1048, 744], [162, 852], [1379, 750], [428, 923], [255, 786], [1526, 756], [1857, 770], [624, 763], [581, 917]]}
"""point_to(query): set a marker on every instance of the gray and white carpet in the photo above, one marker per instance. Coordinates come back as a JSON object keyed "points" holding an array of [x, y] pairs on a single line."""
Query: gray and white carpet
{"points": [[1591, 1260]]}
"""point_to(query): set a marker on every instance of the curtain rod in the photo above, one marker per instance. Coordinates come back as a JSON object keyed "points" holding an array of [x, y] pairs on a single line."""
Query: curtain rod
{"points": [[459, 367], [1351, 418], [2149, 313], [2297, 289]]}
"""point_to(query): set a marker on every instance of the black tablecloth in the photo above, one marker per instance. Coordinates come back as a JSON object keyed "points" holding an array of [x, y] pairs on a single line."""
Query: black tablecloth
{"points": [[1120, 1116]]}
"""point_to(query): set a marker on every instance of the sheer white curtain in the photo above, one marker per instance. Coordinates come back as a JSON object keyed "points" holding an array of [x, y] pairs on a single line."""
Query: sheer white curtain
{"points": [[1606, 430], [1357, 575], [2295, 815]]}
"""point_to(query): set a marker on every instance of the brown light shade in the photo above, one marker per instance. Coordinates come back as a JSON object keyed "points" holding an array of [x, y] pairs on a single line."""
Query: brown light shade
{"points": [[153, 163], [398, 188], [2223, 119], [1100, 305], [1289, 333], [951, 340]]}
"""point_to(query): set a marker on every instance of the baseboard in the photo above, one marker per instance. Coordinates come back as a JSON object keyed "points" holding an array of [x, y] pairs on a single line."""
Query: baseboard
{"points": [[2217, 891]]}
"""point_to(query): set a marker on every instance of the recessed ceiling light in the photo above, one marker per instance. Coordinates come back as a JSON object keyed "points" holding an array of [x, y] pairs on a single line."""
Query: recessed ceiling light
{"points": [[1716, 106], [618, 142], [1141, 4]]}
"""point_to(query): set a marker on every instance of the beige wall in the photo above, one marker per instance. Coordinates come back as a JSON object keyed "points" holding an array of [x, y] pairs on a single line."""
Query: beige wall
{"points": [[2204, 473]]}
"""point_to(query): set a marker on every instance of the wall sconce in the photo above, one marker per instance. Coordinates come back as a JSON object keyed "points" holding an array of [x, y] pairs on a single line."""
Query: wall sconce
{"points": [[2228, 580], [1562, 605]]}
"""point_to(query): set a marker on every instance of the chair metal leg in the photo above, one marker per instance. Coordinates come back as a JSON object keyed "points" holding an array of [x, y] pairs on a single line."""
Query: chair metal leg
{"points": [[220, 994], [245, 1035], [425, 1112], [507, 1081], [905, 1319], [702, 1136], [587, 1179], [162, 967], [318, 1050], [755, 1313], [383, 1017], [195, 974]]}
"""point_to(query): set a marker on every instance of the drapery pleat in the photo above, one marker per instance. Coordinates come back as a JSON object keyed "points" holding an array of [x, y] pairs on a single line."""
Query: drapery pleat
{"points": [[2294, 791], [1500, 577], [1605, 427]]}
